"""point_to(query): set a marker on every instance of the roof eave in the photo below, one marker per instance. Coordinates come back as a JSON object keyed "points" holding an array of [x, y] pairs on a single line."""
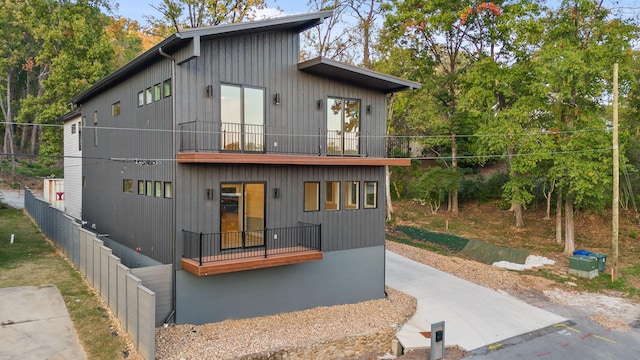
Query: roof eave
{"points": [[341, 71]]}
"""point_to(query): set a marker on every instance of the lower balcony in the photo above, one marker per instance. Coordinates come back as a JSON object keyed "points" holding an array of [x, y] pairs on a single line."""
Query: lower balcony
{"points": [[226, 252]]}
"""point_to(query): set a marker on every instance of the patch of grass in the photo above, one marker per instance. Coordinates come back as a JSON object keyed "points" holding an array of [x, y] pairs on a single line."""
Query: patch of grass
{"points": [[603, 282], [32, 261]]}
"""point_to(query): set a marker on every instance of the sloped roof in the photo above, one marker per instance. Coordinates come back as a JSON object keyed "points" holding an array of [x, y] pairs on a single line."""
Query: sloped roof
{"points": [[175, 41], [336, 70]]}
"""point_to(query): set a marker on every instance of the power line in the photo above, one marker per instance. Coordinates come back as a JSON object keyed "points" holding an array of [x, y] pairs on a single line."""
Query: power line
{"points": [[206, 132]]}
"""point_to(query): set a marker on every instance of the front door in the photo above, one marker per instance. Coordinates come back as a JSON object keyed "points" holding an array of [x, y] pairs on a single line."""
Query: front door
{"points": [[242, 221]]}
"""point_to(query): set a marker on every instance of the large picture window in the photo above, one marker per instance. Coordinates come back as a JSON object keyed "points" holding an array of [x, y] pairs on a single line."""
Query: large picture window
{"points": [[242, 118], [343, 126]]}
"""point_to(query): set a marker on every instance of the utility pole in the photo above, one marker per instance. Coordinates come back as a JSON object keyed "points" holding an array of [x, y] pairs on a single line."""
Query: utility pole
{"points": [[616, 177]]}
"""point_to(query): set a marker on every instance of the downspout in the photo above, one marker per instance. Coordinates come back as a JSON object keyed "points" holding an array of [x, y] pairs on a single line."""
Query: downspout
{"points": [[174, 165]]}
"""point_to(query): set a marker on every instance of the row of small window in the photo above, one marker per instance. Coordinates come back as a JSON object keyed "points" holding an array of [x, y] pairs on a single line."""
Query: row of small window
{"points": [[332, 195], [148, 188], [155, 93], [147, 96]]}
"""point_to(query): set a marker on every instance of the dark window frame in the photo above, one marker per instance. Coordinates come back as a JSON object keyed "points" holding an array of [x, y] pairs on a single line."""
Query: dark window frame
{"points": [[115, 109], [317, 196]]}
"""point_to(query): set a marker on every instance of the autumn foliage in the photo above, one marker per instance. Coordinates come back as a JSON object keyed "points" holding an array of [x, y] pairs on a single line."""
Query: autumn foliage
{"points": [[488, 7]]}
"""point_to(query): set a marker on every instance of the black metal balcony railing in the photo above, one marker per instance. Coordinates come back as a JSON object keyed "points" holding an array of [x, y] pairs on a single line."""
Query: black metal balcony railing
{"points": [[201, 136], [215, 247]]}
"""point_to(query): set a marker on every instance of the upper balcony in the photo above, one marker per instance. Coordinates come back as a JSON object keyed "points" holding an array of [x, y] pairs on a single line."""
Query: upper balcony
{"points": [[215, 142]]}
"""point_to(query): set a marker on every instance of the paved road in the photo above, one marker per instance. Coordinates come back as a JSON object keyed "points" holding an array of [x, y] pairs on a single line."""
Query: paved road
{"points": [[474, 316], [582, 339]]}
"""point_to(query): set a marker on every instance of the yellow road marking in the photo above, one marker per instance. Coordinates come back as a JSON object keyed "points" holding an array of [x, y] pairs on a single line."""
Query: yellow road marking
{"points": [[494, 346], [604, 338], [568, 327]]}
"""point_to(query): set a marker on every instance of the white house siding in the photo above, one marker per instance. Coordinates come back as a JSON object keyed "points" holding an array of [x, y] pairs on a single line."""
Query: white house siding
{"points": [[72, 168]]}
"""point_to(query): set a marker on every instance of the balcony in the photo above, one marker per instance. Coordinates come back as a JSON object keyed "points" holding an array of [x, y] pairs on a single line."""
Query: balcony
{"points": [[226, 252], [210, 142]]}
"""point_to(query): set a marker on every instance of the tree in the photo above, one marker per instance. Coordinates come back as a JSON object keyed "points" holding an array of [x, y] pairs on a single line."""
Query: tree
{"points": [[434, 184], [578, 52], [184, 14], [73, 53], [501, 94], [451, 35], [322, 40]]}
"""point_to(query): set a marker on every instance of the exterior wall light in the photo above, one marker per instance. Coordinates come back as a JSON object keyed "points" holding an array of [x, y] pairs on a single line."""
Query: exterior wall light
{"points": [[276, 99]]}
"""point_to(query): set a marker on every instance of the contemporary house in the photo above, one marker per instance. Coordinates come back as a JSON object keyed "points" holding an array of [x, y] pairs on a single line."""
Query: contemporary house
{"points": [[259, 177]]}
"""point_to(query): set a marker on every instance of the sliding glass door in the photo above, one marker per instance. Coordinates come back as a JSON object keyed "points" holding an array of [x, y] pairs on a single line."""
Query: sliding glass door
{"points": [[242, 215]]}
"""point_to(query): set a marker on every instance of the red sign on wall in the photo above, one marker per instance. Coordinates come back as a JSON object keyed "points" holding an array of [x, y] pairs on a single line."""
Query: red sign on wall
{"points": [[60, 196]]}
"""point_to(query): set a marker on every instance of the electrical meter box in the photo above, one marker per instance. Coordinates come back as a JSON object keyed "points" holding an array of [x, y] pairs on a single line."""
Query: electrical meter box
{"points": [[583, 266]]}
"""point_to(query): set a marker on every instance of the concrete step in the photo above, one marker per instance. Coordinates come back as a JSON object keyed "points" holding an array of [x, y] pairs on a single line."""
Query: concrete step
{"points": [[409, 334]]}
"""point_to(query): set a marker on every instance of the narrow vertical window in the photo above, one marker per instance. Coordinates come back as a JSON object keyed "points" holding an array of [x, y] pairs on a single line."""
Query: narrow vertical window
{"points": [[332, 195], [115, 109], [73, 128], [141, 98], [127, 185], [352, 195], [157, 92], [149, 188], [148, 95], [95, 128], [80, 133], [311, 196], [158, 188], [167, 87], [167, 190], [140, 187], [370, 194]]}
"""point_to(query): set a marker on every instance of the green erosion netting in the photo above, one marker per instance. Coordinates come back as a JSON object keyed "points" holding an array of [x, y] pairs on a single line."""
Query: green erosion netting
{"points": [[488, 253], [451, 242], [474, 249]]}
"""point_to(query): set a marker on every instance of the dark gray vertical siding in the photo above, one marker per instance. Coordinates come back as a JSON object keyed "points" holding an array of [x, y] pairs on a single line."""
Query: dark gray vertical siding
{"points": [[137, 133], [341, 230]]}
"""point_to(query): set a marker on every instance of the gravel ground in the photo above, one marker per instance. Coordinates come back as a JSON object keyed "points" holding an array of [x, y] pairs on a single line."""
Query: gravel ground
{"points": [[234, 338]]}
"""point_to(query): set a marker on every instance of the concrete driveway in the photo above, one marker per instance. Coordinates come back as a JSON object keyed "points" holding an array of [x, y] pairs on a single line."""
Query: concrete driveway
{"points": [[13, 198], [35, 324], [474, 316]]}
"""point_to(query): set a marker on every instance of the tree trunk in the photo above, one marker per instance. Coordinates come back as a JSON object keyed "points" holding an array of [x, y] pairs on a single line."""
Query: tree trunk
{"points": [[453, 195], [517, 211], [8, 129], [34, 139], [570, 242], [388, 204], [559, 217], [547, 196]]}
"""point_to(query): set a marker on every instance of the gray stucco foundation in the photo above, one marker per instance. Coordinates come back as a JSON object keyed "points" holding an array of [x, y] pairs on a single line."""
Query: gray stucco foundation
{"points": [[341, 277]]}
